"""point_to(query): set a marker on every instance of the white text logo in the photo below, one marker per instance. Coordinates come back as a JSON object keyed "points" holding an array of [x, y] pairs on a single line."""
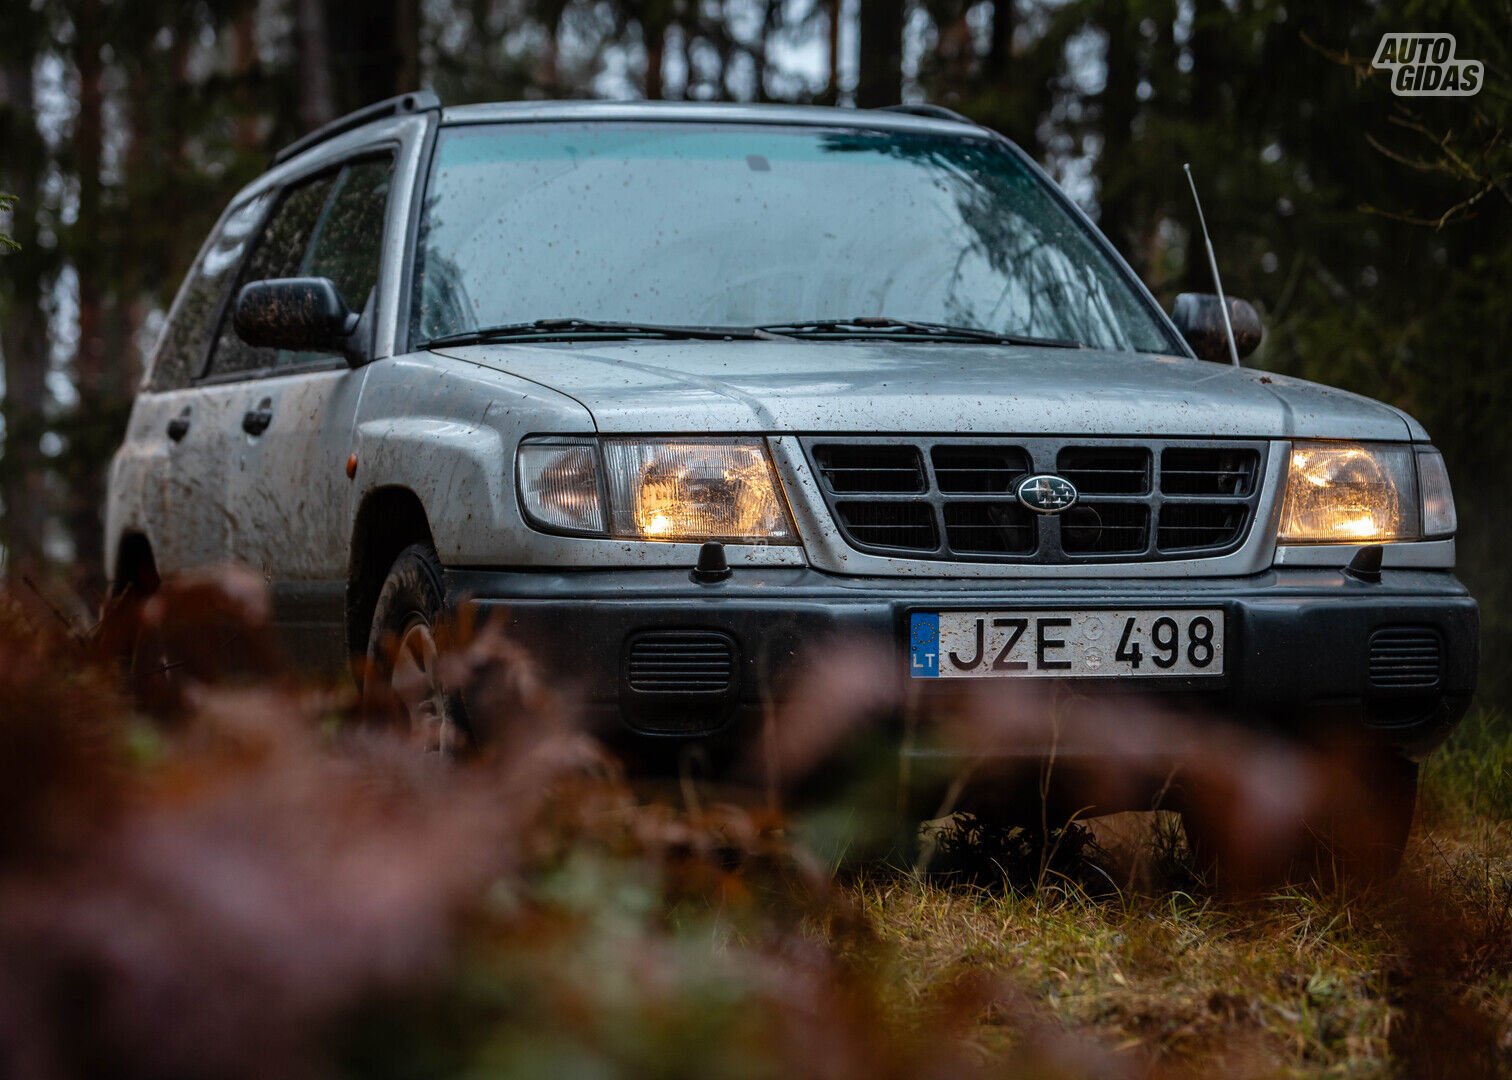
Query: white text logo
{"points": [[1423, 65]]}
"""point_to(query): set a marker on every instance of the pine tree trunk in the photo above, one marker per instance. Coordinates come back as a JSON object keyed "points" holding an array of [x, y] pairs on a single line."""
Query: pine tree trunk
{"points": [[89, 251], [23, 330], [656, 52], [317, 98], [999, 56], [1119, 107], [1209, 18], [371, 48], [407, 46], [881, 80], [244, 64], [832, 89]]}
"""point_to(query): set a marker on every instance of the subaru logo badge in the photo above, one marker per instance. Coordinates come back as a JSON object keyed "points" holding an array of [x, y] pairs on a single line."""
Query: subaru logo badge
{"points": [[1045, 494]]}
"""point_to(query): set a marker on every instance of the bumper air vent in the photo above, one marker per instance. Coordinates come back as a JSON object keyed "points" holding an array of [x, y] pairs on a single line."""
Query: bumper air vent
{"points": [[1406, 658], [677, 663]]}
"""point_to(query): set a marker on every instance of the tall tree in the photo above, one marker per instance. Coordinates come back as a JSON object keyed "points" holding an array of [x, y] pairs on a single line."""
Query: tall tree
{"points": [[373, 49], [24, 275], [91, 255], [317, 94], [880, 80]]}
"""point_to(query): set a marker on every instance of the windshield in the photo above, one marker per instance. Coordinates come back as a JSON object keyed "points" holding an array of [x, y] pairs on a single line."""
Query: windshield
{"points": [[744, 226]]}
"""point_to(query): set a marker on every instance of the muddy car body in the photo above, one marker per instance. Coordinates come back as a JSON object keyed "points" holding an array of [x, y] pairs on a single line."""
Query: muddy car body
{"points": [[885, 465]]}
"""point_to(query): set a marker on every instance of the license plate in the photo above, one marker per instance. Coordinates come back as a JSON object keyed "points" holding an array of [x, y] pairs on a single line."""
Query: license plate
{"points": [[1065, 644]]}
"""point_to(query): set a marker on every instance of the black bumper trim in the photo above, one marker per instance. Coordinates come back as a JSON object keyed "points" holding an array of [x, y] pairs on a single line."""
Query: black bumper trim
{"points": [[1298, 640]]}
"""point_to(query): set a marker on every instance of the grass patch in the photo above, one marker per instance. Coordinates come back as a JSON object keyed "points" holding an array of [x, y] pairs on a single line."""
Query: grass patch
{"points": [[1470, 778], [1296, 983]]}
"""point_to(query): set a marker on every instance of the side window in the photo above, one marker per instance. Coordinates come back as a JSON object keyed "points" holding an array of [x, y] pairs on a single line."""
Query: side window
{"points": [[349, 247], [279, 252], [181, 347], [329, 226]]}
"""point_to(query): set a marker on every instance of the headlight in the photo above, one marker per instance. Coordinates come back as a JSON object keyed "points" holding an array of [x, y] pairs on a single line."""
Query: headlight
{"points": [[1347, 493], [654, 489]]}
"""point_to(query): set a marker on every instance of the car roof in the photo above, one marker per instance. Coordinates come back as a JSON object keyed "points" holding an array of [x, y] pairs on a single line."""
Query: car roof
{"points": [[716, 112]]}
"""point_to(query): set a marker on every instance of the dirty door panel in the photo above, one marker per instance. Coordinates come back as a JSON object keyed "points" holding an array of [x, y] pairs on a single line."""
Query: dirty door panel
{"points": [[291, 487], [291, 493]]}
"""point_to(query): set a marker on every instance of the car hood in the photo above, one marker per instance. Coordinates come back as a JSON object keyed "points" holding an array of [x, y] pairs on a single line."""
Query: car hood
{"points": [[870, 386]]}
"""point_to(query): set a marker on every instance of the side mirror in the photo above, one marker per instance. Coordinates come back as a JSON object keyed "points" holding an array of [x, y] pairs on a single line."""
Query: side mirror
{"points": [[301, 314], [1200, 319]]}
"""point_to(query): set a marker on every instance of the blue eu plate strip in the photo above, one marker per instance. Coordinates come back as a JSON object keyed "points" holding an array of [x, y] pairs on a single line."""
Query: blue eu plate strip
{"points": [[924, 646]]}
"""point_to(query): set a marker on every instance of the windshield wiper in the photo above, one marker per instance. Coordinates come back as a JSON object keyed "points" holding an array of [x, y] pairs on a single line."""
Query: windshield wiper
{"points": [[873, 325], [591, 328], [861, 326]]}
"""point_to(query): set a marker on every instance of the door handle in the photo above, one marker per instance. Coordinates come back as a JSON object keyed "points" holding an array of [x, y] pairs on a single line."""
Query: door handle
{"points": [[178, 427], [256, 421]]}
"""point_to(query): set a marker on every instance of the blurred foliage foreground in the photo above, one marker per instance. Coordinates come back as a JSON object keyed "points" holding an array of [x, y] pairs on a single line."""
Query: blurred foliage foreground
{"points": [[209, 875]]}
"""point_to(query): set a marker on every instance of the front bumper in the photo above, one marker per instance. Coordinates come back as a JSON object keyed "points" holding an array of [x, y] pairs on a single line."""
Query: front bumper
{"points": [[1299, 641]]}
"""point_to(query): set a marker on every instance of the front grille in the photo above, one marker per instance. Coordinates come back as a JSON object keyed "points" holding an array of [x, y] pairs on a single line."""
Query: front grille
{"points": [[1405, 658], [869, 469], [896, 525], [1185, 527], [1206, 470], [988, 528], [1106, 470], [954, 498], [1105, 529], [678, 662], [971, 469]]}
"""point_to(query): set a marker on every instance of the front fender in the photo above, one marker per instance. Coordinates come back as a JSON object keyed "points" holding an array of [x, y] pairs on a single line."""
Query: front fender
{"points": [[446, 430]]}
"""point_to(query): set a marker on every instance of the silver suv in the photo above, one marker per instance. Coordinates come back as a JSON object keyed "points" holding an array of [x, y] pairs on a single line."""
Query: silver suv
{"points": [[684, 388]]}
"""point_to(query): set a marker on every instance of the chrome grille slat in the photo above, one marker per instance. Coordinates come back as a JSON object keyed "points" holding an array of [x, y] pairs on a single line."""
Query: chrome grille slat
{"points": [[943, 498]]}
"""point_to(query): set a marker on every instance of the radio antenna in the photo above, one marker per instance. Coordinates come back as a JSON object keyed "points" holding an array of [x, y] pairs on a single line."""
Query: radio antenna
{"points": [[1228, 325]]}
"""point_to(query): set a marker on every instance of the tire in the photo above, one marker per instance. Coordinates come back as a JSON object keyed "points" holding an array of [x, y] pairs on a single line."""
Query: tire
{"points": [[1360, 844], [1364, 844], [401, 681], [123, 640]]}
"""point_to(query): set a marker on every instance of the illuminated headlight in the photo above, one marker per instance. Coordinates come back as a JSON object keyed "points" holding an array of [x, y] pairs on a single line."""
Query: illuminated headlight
{"points": [[1365, 493], [690, 490]]}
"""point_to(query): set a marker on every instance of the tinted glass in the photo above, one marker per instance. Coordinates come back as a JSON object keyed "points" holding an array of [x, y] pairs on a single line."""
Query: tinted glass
{"points": [[279, 253], [727, 225], [181, 349], [348, 247]]}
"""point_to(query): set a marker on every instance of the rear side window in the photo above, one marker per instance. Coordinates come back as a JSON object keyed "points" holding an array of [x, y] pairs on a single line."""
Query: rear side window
{"points": [[181, 349], [329, 226]]}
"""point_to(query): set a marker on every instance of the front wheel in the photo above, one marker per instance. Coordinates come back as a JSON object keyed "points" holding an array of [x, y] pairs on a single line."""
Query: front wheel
{"points": [[1359, 841], [402, 675], [1365, 839]]}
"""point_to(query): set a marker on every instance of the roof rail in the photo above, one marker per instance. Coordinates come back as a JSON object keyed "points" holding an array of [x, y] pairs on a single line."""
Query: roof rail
{"points": [[935, 112], [418, 101]]}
